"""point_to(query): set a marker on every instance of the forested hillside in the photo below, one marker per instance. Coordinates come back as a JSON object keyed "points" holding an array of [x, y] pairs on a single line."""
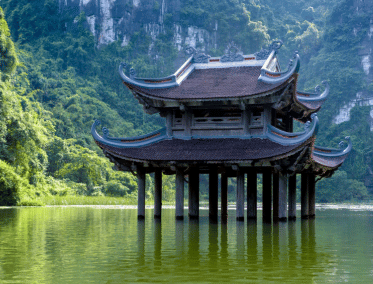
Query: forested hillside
{"points": [[61, 75]]}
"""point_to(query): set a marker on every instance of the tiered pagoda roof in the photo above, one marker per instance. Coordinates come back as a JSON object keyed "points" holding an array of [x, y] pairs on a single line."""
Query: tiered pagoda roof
{"points": [[233, 80]]}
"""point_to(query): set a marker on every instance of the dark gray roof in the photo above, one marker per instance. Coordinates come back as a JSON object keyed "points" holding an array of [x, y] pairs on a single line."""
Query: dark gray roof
{"points": [[214, 83], [218, 149]]}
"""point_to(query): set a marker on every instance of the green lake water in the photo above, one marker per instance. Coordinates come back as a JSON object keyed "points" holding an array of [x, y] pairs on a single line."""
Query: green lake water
{"points": [[109, 245]]}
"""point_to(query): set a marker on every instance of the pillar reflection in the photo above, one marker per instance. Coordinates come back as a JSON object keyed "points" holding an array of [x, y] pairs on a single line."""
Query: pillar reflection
{"points": [[213, 247], [292, 245], [252, 246], [141, 243], [179, 239], [267, 247], [193, 243], [276, 243], [157, 243], [240, 235]]}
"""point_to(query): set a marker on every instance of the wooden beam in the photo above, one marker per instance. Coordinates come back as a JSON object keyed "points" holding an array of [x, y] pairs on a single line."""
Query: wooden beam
{"points": [[213, 193], [169, 123], [252, 192], [157, 193], [267, 196], [311, 195], [224, 196], [292, 195], [240, 199], [275, 192], [304, 196], [282, 200], [179, 212], [193, 193], [140, 193]]}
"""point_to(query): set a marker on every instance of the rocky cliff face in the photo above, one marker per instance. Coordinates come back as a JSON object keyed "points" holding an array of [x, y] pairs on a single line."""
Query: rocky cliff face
{"points": [[365, 53], [112, 20]]}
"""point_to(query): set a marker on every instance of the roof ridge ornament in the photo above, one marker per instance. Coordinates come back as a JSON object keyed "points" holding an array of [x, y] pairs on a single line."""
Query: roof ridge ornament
{"points": [[291, 61], [232, 53], [198, 55], [132, 73], [126, 67], [264, 53], [318, 87], [342, 144]]}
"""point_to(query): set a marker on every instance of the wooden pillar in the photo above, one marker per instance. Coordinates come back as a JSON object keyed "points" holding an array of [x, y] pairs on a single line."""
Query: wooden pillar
{"points": [[282, 204], [240, 198], [275, 192], [267, 195], [188, 123], [157, 193], [266, 117], [292, 197], [252, 190], [304, 197], [224, 196], [311, 195], [213, 194], [179, 212], [246, 121], [288, 120], [169, 124], [193, 193], [140, 193]]}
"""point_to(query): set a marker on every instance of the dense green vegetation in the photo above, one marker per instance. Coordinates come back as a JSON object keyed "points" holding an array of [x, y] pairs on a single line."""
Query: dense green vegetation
{"points": [[57, 81]]}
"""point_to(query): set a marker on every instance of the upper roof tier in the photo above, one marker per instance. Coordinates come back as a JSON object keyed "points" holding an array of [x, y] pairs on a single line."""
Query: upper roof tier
{"points": [[202, 77]]}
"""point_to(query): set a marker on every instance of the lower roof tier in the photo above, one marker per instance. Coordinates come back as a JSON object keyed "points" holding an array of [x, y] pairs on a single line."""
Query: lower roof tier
{"points": [[218, 150], [287, 152]]}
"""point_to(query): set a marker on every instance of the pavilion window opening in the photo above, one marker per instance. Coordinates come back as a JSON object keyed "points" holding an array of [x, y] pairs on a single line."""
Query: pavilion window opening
{"points": [[257, 116], [178, 118], [217, 117]]}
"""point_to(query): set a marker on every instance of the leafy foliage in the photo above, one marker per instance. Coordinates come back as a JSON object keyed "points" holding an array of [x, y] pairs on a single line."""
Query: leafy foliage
{"points": [[64, 81], [340, 188]]}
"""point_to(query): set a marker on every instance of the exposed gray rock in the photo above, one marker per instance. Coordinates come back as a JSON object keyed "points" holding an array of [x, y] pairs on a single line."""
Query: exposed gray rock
{"points": [[363, 98], [112, 20]]}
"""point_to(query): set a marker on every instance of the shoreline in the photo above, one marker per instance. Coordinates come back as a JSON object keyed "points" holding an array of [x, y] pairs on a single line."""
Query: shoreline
{"points": [[232, 206]]}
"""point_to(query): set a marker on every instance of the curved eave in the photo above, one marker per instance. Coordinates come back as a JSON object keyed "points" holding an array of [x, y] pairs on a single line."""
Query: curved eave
{"points": [[131, 142], [173, 80], [331, 158], [287, 138], [267, 147], [151, 96], [313, 101], [274, 134], [270, 77]]}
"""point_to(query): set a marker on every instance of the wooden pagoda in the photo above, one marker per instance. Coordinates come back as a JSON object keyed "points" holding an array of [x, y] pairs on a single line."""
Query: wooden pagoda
{"points": [[230, 116]]}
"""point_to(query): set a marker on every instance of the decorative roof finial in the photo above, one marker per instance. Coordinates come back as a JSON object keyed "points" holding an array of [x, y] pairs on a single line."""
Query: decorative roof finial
{"points": [[124, 66], [132, 73], [105, 132], [264, 53], [341, 144], [198, 56], [307, 126], [232, 54]]}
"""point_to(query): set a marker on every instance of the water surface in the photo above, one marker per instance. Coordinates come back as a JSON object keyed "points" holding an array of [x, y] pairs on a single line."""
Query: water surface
{"points": [[109, 245]]}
